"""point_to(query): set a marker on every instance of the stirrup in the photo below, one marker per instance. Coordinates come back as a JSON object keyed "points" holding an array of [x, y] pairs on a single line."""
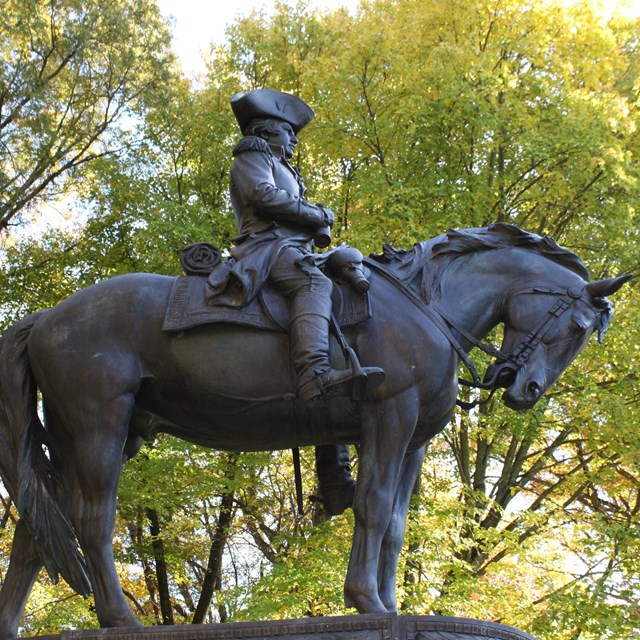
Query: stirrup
{"points": [[365, 379], [346, 383]]}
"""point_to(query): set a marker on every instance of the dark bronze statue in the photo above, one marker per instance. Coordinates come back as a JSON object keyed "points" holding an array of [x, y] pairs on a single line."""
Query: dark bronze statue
{"points": [[278, 231], [111, 377]]}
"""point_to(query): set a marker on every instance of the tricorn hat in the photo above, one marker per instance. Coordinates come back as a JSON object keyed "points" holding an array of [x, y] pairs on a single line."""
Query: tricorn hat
{"points": [[268, 103]]}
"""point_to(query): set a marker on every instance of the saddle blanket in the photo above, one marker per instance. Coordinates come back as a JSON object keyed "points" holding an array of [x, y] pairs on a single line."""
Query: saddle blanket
{"points": [[189, 307]]}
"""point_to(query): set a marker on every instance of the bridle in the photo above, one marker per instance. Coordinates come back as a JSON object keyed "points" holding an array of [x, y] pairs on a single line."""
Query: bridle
{"points": [[507, 364]]}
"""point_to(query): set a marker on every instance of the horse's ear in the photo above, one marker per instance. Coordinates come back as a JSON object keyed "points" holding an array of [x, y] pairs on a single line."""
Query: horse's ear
{"points": [[604, 288]]}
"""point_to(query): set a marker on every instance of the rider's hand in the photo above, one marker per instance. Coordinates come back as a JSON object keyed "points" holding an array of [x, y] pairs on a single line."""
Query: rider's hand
{"points": [[329, 217]]}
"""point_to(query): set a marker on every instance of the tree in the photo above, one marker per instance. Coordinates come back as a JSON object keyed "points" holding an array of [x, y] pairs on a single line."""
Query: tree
{"points": [[461, 114], [69, 72], [428, 116]]}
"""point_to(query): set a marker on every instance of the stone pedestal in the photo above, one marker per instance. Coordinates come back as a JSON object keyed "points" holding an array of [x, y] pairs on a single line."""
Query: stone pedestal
{"points": [[357, 627]]}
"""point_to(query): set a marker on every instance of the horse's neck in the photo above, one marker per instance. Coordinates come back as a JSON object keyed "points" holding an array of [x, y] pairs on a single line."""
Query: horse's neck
{"points": [[473, 289]]}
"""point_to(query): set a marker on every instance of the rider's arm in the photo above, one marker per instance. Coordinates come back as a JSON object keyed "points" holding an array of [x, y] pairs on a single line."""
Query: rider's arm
{"points": [[252, 176]]}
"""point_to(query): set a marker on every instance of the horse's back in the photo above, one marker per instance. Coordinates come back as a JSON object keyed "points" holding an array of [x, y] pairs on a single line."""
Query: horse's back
{"points": [[97, 332], [106, 342], [113, 308]]}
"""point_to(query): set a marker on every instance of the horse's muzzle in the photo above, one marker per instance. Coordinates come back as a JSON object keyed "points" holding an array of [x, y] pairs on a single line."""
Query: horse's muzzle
{"points": [[504, 375], [525, 391], [500, 375]]}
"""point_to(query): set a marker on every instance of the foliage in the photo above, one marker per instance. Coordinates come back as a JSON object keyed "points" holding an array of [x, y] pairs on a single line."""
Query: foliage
{"points": [[458, 114], [69, 72], [428, 116], [308, 580]]}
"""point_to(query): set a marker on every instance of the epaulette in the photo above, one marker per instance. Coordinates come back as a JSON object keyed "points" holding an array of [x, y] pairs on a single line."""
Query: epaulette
{"points": [[251, 143]]}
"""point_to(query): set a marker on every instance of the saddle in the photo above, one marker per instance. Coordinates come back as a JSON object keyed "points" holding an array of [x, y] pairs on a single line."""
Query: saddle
{"points": [[191, 303]]}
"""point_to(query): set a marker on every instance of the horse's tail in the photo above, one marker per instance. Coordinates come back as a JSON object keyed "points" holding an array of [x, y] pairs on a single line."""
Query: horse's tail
{"points": [[27, 472]]}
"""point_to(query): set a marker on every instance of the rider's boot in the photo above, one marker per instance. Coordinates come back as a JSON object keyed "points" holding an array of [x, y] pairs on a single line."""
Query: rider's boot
{"points": [[337, 486], [317, 381]]}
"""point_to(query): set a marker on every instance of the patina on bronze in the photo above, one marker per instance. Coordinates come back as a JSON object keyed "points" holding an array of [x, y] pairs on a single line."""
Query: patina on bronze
{"points": [[110, 378]]}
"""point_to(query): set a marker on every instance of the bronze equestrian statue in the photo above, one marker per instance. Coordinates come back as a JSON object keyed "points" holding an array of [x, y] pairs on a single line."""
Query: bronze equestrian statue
{"points": [[114, 369]]}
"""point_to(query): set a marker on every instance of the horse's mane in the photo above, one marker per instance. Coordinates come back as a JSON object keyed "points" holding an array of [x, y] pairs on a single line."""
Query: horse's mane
{"points": [[420, 267]]}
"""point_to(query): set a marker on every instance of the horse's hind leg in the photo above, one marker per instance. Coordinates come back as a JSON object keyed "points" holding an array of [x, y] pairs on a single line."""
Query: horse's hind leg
{"points": [[91, 463], [24, 566]]}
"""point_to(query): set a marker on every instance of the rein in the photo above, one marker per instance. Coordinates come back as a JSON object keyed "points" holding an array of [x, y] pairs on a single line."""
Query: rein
{"points": [[514, 360], [518, 357]]}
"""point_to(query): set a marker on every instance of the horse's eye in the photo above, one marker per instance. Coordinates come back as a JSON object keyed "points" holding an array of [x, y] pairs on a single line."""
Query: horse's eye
{"points": [[577, 328]]}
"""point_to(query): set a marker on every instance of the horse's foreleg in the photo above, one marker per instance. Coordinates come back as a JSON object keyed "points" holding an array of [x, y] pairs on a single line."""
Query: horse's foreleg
{"points": [[94, 475], [394, 536], [387, 430], [24, 566]]}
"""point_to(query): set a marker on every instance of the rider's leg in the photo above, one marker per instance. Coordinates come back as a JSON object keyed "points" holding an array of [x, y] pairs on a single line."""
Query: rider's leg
{"points": [[337, 486], [310, 293], [309, 343]]}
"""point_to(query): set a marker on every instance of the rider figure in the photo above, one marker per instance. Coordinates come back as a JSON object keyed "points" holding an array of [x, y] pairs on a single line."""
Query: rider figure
{"points": [[278, 231]]}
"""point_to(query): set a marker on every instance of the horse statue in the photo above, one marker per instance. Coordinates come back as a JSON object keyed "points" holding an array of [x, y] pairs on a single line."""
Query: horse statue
{"points": [[110, 378]]}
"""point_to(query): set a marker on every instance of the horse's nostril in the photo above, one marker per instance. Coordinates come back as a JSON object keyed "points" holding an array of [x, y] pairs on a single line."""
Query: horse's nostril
{"points": [[534, 387]]}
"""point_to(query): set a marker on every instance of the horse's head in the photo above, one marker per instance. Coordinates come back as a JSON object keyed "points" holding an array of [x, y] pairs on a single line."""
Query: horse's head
{"points": [[545, 328]]}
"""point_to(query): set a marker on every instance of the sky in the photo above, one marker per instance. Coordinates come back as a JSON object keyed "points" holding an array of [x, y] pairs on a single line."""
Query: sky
{"points": [[198, 23]]}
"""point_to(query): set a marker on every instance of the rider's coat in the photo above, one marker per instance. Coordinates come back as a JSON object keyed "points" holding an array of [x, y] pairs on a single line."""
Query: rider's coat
{"points": [[268, 198]]}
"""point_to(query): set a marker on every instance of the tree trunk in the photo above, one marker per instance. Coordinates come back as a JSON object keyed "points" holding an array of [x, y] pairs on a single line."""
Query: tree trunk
{"points": [[161, 567], [213, 574]]}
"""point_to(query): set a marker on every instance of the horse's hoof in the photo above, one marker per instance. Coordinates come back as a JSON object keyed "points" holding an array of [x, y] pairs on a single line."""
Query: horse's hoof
{"points": [[121, 622], [364, 604]]}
